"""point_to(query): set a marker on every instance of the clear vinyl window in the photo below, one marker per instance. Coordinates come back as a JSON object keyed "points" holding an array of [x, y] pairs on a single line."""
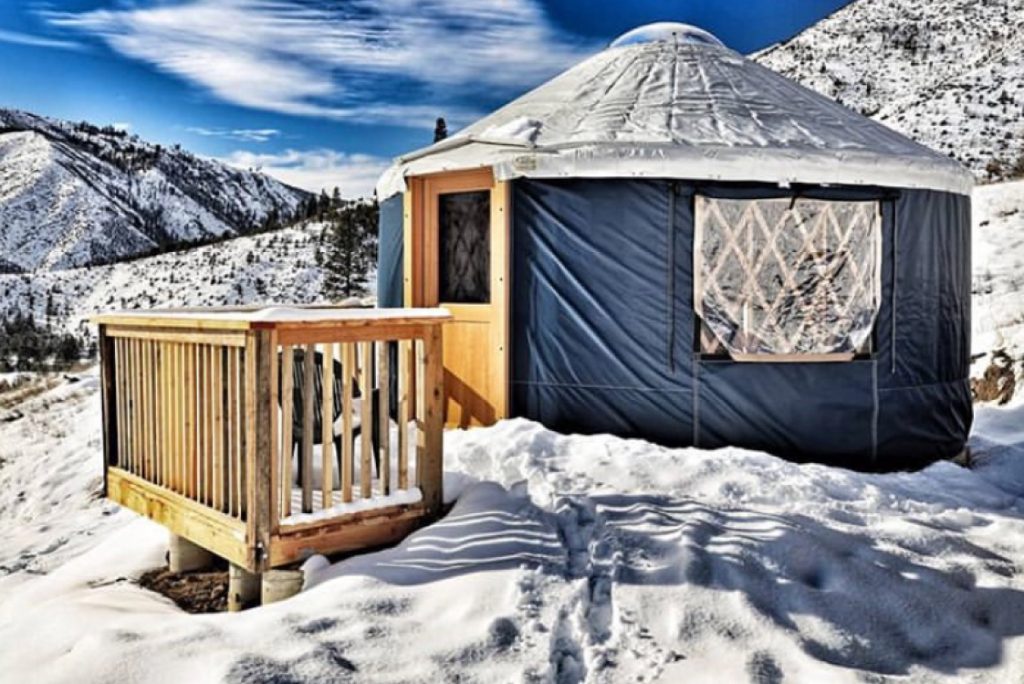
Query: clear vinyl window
{"points": [[786, 279]]}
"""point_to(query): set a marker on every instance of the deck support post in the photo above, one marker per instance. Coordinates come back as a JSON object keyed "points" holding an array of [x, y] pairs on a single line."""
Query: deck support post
{"points": [[243, 588], [184, 556]]}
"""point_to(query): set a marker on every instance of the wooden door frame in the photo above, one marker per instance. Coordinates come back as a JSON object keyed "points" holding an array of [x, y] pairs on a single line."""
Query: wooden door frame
{"points": [[420, 273]]}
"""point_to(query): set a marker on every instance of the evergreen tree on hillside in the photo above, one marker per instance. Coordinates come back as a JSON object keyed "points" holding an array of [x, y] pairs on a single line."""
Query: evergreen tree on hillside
{"points": [[351, 248]]}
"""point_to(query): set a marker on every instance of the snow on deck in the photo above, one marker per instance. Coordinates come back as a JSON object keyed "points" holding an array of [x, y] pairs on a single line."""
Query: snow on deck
{"points": [[287, 314]]}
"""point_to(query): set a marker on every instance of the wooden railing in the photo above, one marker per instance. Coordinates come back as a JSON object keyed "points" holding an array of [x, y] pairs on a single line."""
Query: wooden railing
{"points": [[210, 416]]}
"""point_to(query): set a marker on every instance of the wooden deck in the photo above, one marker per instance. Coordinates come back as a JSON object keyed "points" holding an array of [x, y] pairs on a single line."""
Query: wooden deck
{"points": [[201, 409]]}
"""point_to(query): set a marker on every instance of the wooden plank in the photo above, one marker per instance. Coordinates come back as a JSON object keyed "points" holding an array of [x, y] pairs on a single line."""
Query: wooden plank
{"points": [[231, 455], [364, 331], [179, 336], [271, 417], [191, 427], [179, 403], [225, 429], [308, 369], [140, 408], [366, 419], [217, 406], [405, 369], [383, 529], [163, 414], [237, 452], [122, 403], [430, 469], [204, 526], [327, 431], [152, 472], [261, 514], [287, 399], [119, 402], [155, 320], [173, 430], [206, 421], [384, 419], [250, 420], [154, 399], [348, 367], [409, 241], [500, 298], [420, 404], [133, 404], [245, 428], [108, 394]]}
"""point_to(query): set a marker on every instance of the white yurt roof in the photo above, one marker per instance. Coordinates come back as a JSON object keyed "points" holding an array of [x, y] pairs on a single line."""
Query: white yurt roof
{"points": [[670, 101]]}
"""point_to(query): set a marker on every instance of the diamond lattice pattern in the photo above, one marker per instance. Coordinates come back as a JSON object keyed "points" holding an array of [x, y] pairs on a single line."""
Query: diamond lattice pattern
{"points": [[785, 277]]}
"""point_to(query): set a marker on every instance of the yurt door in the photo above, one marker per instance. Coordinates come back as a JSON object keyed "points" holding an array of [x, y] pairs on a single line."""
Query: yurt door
{"points": [[463, 228]]}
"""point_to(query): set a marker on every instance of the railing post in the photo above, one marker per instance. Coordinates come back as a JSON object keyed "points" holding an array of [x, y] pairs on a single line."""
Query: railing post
{"points": [[431, 470], [263, 429], [108, 389]]}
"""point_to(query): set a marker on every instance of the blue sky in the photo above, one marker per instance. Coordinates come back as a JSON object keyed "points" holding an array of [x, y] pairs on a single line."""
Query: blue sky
{"points": [[324, 93]]}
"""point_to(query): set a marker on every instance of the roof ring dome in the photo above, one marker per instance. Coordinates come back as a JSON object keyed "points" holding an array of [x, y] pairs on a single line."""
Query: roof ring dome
{"points": [[667, 31]]}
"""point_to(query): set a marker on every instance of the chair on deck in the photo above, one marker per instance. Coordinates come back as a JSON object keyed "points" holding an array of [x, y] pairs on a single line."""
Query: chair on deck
{"points": [[298, 409]]}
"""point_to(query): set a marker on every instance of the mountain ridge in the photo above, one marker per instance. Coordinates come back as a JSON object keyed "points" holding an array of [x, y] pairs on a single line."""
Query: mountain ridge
{"points": [[947, 73], [75, 194]]}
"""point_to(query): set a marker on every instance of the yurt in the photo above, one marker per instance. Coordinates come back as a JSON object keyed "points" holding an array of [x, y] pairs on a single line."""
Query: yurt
{"points": [[670, 241]]}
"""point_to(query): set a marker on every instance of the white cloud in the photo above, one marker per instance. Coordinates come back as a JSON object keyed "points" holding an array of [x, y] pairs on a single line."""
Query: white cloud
{"points": [[37, 41], [314, 170], [258, 135], [125, 126], [397, 61]]}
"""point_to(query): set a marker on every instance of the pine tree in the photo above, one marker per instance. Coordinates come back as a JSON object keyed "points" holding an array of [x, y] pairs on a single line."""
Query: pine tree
{"points": [[351, 249], [324, 206]]}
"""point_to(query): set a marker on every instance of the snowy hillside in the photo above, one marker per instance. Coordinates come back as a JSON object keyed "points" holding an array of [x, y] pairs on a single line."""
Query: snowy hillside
{"points": [[73, 194], [948, 73], [279, 266], [998, 289]]}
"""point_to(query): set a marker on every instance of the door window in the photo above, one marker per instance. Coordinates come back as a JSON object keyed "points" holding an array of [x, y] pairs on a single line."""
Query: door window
{"points": [[464, 221]]}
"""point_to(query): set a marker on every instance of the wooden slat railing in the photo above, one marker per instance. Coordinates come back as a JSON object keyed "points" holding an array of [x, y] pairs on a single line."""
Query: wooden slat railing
{"points": [[201, 433]]}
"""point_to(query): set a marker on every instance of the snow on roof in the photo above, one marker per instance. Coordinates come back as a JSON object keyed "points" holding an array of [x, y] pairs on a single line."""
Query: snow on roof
{"points": [[657, 105]]}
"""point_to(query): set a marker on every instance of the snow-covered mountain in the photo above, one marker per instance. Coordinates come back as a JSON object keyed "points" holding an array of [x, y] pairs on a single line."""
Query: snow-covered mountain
{"points": [[73, 194], [948, 73], [279, 266]]}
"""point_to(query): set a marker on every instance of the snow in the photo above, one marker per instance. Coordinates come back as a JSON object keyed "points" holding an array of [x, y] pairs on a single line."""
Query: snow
{"points": [[694, 111], [565, 558], [272, 267], [73, 196], [998, 289], [293, 314], [947, 73]]}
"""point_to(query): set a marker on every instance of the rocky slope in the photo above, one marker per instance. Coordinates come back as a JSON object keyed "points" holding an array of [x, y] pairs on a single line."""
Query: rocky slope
{"points": [[73, 194], [948, 73]]}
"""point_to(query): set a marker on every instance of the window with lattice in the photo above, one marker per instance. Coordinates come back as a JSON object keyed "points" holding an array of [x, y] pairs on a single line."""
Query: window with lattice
{"points": [[786, 279], [464, 226]]}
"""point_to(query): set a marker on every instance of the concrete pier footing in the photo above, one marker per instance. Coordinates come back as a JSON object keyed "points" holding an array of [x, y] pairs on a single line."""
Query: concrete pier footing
{"points": [[243, 588], [279, 585], [184, 556]]}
